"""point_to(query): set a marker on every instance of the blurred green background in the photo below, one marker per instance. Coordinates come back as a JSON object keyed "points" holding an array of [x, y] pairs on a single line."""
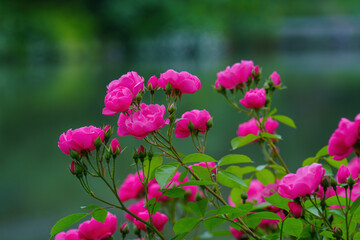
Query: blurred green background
{"points": [[58, 56]]}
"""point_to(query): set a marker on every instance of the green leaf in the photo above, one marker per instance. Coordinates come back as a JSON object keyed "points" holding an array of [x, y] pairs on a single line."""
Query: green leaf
{"points": [[241, 210], [293, 227], [198, 157], [92, 206], [355, 205], [336, 164], [273, 112], [230, 180], [327, 234], [155, 162], [334, 201], [165, 173], [265, 176], [278, 201], [196, 182], [180, 236], [309, 161], [99, 215], [271, 136], [202, 172], [199, 207], [328, 170], [322, 152], [234, 159], [152, 206], [266, 215], [174, 192], [182, 176], [285, 120], [235, 195], [221, 233], [212, 223], [185, 224], [253, 221], [66, 222], [357, 236], [242, 141]]}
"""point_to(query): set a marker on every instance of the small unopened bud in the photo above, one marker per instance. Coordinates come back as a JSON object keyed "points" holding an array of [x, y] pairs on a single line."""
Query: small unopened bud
{"points": [[350, 181], [150, 154], [141, 151], [168, 88], [108, 132], [115, 148], [124, 229], [136, 156], [98, 142], [191, 126], [244, 196], [107, 155], [172, 108], [137, 231], [325, 183], [74, 154], [138, 97], [76, 169], [209, 124], [333, 183], [337, 233], [295, 209]]}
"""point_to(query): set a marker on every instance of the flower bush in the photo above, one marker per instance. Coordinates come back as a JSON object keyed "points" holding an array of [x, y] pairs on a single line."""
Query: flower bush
{"points": [[179, 193]]}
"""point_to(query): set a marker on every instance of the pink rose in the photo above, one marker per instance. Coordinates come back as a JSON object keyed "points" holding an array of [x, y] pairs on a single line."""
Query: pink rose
{"points": [[306, 180], [239, 73], [342, 174], [343, 139], [141, 123], [153, 192], [131, 80], [254, 98], [72, 234], [117, 100], [255, 192], [275, 77], [95, 230], [159, 220], [354, 167], [115, 146], [131, 187], [136, 208], [183, 81], [198, 117], [295, 209], [251, 127], [81, 139], [205, 165], [152, 83]]}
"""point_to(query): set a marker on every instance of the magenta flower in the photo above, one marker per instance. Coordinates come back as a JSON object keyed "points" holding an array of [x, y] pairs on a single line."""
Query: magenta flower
{"points": [[159, 220], [131, 80], [295, 209], [153, 192], [198, 117], [255, 98], [117, 100], [238, 73], [72, 166], [342, 174], [344, 138], [152, 83], [183, 81], [136, 208], [354, 167], [255, 192], [306, 180], [251, 127], [115, 146], [72, 234], [95, 230], [131, 187], [141, 123], [81, 139], [275, 77]]}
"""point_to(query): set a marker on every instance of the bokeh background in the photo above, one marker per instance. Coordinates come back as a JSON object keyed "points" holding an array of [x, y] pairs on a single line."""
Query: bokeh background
{"points": [[56, 58]]}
